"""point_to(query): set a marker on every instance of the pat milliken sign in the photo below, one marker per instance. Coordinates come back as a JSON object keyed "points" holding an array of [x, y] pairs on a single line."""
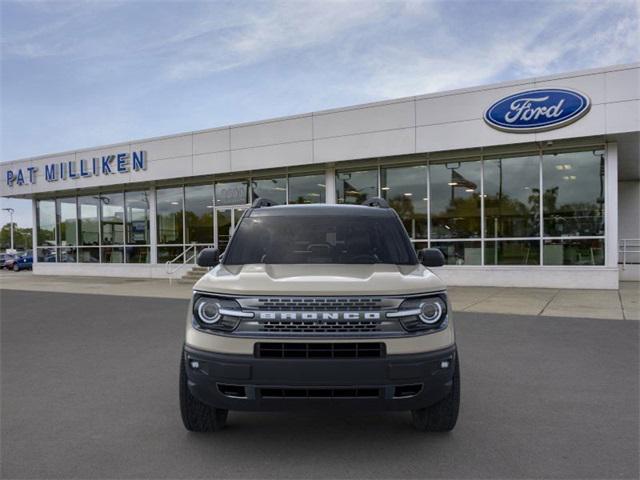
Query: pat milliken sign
{"points": [[537, 110], [105, 165]]}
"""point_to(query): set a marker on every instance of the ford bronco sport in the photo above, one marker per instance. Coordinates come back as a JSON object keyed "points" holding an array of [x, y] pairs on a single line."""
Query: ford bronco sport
{"points": [[319, 306]]}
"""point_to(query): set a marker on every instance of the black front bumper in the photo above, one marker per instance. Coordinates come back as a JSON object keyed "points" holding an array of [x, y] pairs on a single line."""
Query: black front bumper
{"points": [[395, 382]]}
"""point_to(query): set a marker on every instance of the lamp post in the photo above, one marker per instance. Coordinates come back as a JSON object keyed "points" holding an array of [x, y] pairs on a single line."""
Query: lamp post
{"points": [[11, 212]]}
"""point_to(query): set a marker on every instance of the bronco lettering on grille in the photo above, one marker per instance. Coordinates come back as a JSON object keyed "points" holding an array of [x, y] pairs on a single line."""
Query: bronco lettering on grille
{"points": [[319, 315]]}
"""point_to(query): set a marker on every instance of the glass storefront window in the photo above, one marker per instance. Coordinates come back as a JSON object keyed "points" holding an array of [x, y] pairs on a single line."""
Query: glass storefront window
{"points": [[232, 193], [88, 227], [67, 221], [112, 218], [356, 187], [573, 252], [307, 188], [137, 254], [573, 198], [47, 254], [137, 218], [512, 197], [115, 227], [274, 189], [46, 218], [420, 245], [225, 227], [455, 199], [405, 188], [112, 255], [67, 254], [166, 254], [169, 208], [89, 255], [512, 252], [198, 213], [460, 253]]}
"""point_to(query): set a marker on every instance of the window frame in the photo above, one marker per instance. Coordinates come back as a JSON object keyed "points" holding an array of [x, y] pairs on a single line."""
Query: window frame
{"points": [[539, 152], [375, 165]]}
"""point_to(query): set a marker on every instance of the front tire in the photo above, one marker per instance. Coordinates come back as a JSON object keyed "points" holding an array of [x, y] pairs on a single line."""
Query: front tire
{"points": [[442, 416], [198, 416], [16, 268]]}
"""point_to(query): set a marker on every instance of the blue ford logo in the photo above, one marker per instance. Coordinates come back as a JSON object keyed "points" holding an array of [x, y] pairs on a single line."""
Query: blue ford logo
{"points": [[537, 110]]}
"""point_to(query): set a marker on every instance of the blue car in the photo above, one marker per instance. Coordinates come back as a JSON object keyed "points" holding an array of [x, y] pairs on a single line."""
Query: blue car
{"points": [[23, 262]]}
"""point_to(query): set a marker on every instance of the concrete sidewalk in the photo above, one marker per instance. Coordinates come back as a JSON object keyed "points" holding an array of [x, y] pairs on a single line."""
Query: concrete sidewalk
{"points": [[623, 304], [620, 304]]}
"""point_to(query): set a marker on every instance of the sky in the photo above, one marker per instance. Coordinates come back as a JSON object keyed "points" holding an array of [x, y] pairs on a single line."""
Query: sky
{"points": [[87, 73]]}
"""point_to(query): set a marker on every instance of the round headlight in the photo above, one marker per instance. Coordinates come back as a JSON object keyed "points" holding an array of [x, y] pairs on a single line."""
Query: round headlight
{"points": [[430, 312], [208, 311]]}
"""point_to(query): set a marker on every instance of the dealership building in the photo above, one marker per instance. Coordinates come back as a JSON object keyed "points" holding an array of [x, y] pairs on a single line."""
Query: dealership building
{"points": [[529, 183]]}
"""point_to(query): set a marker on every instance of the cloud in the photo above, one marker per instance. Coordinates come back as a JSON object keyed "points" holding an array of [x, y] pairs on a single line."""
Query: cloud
{"points": [[285, 27], [393, 60], [208, 38], [51, 29], [403, 48], [110, 71], [525, 48]]}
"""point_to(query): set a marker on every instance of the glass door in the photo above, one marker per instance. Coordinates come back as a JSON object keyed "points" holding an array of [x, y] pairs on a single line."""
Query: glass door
{"points": [[227, 218], [237, 215], [224, 222]]}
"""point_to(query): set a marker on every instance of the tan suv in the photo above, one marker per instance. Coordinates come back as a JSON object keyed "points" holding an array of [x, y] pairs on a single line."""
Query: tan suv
{"points": [[320, 306]]}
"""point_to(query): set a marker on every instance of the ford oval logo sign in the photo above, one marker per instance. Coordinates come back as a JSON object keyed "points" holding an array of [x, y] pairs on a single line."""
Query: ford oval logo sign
{"points": [[537, 110]]}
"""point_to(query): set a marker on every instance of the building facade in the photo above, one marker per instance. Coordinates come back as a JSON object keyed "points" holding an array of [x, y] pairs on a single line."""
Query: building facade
{"points": [[526, 183]]}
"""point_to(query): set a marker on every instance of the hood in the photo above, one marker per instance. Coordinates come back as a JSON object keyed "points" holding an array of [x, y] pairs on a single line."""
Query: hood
{"points": [[316, 279]]}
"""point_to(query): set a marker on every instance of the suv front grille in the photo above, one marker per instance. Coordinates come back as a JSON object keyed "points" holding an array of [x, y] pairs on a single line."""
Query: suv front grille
{"points": [[320, 350], [319, 326], [352, 316], [319, 304]]}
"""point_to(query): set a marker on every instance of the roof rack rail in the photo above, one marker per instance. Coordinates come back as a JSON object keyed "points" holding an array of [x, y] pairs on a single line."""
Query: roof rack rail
{"points": [[376, 202], [263, 202]]}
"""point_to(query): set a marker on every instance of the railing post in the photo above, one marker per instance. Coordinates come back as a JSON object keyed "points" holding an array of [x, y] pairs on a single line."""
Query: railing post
{"points": [[184, 256], [624, 253]]}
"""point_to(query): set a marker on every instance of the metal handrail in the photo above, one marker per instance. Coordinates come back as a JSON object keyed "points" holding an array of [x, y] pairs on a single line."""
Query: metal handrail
{"points": [[185, 261], [628, 245]]}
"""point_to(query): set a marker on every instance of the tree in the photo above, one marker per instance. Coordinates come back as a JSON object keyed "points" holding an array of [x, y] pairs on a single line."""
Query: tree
{"points": [[21, 237]]}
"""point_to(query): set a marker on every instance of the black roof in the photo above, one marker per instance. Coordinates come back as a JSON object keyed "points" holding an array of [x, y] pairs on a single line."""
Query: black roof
{"points": [[321, 209]]}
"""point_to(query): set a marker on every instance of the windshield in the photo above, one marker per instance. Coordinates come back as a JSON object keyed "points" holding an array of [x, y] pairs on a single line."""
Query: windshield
{"points": [[341, 239]]}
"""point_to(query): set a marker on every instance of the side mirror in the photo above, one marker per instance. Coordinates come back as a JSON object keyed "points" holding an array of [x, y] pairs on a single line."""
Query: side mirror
{"points": [[208, 257], [431, 257]]}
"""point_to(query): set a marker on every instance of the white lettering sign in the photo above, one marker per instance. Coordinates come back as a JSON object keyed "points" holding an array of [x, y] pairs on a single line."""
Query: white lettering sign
{"points": [[524, 109]]}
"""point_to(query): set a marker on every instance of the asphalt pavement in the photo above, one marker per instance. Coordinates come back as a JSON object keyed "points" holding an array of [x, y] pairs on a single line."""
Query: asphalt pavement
{"points": [[90, 390]]}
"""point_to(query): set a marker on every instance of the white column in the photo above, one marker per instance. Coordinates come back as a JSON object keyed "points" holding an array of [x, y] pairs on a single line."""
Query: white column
{"points": [[330, 183], [611, 205], [153, 233], [34, 231]]}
